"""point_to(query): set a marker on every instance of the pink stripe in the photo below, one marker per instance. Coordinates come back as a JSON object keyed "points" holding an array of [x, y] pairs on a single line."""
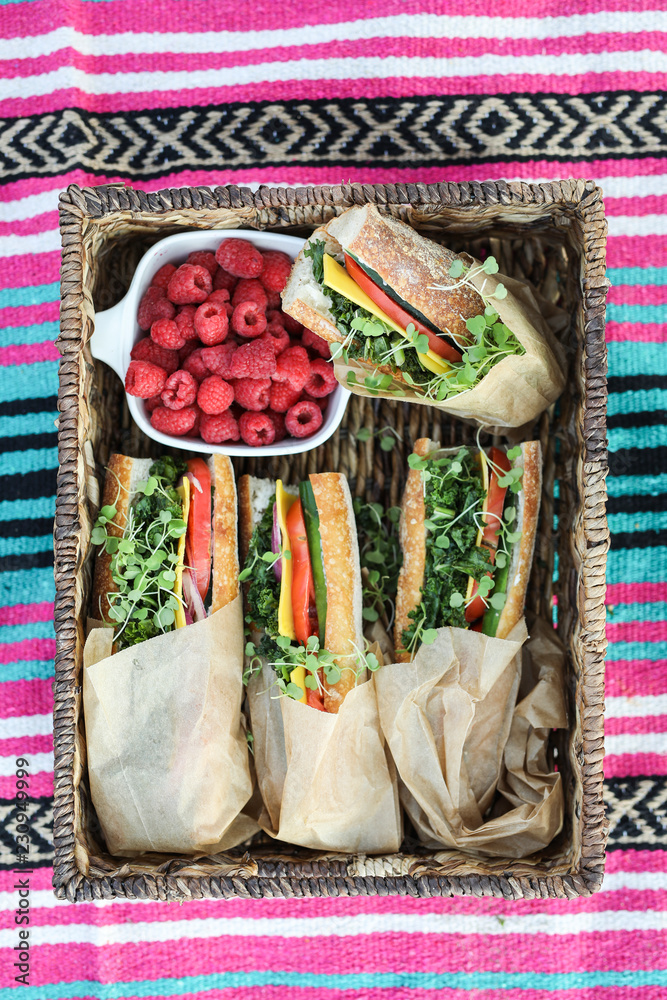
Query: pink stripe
{"points": [[41, 784], [638, 295], [629, 724], [33, 697], [45, 312], [643, 593], [634, 765], [22, 614], [26, 227], [619, 951], [28, 649], [625, 992], [649, 204], [28, 269], [647, 333], [628, 251], [325, 89], [636, 677], [24, 746], [636, 861], [26, 354], [40, 880], [637, 631]]}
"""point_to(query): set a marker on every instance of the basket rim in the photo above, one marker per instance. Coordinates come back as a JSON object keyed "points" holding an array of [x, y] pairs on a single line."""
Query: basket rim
{"points": [[582, 201]]}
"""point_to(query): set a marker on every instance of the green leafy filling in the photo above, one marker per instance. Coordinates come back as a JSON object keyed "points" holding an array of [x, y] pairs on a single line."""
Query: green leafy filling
{"points": [[264, 587]]}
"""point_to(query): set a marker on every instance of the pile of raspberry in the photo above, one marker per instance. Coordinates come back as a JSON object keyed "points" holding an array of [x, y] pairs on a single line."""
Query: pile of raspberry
{"points": [[221, 360]]}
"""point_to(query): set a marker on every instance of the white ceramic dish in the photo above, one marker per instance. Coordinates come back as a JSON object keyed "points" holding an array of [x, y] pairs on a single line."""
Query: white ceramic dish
{"points": [[117, 331]]}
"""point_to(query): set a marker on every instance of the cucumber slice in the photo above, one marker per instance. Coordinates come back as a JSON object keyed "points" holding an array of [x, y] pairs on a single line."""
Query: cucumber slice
{"points": [[491, 616], [312, 520]]}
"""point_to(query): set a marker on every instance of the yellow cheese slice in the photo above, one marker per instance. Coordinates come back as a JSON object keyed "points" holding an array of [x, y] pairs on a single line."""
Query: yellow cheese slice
{"points": [[298, 677], [184, 492], [284, 501], [484, 468], [434, 363]]}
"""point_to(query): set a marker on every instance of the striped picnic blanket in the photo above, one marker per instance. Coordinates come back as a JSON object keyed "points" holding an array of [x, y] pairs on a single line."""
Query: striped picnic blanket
{"points": [[171, 93]]}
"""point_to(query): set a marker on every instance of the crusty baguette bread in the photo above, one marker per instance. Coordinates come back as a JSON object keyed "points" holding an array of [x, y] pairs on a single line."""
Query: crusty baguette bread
{"points": [[302, 296], [412, 538], [342, 570], [410, 264], [225, 537]]}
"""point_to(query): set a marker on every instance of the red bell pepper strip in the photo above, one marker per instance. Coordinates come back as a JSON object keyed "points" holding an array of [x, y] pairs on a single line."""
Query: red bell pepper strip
{"points": [[198, 535], [303, 589], [493, 512]]}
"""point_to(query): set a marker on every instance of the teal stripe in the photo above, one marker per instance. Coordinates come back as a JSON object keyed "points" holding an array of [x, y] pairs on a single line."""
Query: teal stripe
{"points": [[652, 611], [35, 334], [621, 313], [14, 463], [27, 670], [24, 544], [645, 520], [554, 982], [28, 423], [27, 586], [31, 295], [637, 437], [29, 381], [637, 275], [629, 402], [18, 633], [632, 358], [637, 565], [15, 510], [635, 651], [619, 486]]}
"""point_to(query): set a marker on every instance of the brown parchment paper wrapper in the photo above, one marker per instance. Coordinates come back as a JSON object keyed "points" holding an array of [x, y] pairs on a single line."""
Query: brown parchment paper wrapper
{"points": [[167, 753], [457, 735], [327, 781], [517, 389]]}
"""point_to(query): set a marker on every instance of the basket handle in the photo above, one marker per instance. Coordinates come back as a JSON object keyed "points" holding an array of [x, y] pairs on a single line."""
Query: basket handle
{"points": [[106, 343]]}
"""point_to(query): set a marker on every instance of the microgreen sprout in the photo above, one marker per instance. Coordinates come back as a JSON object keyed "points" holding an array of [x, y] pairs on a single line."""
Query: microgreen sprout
{"points": [[387, 436], [319, 664], [380, 557]]}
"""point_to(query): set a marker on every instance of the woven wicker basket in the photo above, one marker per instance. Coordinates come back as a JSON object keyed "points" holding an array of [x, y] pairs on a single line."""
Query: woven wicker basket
{"points": [[553, 234]]}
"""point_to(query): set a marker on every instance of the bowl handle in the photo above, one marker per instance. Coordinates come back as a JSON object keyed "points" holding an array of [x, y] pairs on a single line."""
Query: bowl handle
{"points": [[106, 343]]}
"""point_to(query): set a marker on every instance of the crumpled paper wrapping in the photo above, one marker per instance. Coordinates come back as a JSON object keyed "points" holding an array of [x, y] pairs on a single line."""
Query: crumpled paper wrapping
{"points": [[167, 753], [326, 780], [457, 736], [517, 389]]}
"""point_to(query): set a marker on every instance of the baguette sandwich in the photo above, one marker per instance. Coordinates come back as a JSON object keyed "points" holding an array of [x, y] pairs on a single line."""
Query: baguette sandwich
{"points": [[167, 549], [388, 297], [467, 531], [303, 585]]}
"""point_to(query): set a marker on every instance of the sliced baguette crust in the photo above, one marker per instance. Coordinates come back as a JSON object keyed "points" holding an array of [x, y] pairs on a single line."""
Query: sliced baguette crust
{"points": [[410, 264], [522, 553], [302, 296], [122, 474], [340, 556], [412, 537], [225, 537]]}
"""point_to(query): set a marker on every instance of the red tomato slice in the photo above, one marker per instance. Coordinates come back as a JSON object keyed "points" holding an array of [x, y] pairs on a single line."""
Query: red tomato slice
{"points": [[303, 589], [437, 344], [314, 699], [198, 536], [493, 512]]}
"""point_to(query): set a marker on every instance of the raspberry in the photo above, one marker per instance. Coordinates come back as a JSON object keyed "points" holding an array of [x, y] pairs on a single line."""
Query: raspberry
{"points": [[204, 259], [293, 366], [147, 350], [322, 403], [154, 305], [153, 402], [303, 419], [278, 421], [223, 279], [190, 283], [165, 332], [257, 429], [276, 338], [219, 297], [310, 339], [250, 290], [194, 430], [144, 379], [215, 395], [180, 390], [277, 267], [176, 422], [282, 396], [219, 359], [219, 427], [252, 393], [211, 323], [254, 360], [248, 320], [322, 379], [240, 257], [274, 300], [195, 365], [185, 321], [188, 348], [161, 279], [291, 325]]}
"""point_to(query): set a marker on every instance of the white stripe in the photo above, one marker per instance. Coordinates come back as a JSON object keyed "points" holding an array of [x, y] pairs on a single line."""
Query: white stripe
{"points": [[635, 743], [26, 725], [634, 708], [633, 187], [364, 68], [45, 242], [638, 225], [39, 762], [28, 208], [414, 26]]}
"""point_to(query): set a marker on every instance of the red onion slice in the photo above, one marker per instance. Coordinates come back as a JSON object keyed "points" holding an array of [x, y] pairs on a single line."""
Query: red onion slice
{"points": [[192, 598], [276, 545]]}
